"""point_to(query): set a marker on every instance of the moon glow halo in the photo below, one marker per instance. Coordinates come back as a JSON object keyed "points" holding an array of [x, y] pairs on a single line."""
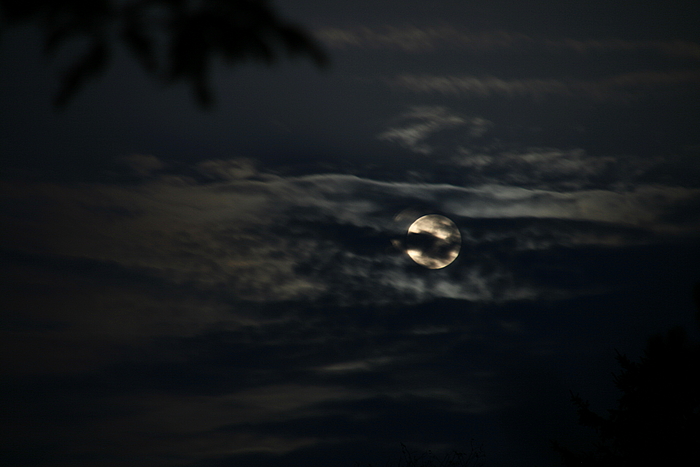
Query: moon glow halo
{"points": [[433, 241]]}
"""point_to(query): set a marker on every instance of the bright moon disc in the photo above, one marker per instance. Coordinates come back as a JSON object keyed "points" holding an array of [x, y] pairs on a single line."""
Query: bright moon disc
{"points": [[433, 241]]}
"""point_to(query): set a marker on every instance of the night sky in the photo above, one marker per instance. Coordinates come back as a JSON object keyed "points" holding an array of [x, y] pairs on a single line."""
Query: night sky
{"points": [[227, 287]]}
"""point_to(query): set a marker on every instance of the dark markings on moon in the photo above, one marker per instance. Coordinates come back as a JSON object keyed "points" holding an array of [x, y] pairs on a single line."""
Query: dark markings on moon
{"points": [[433, 241]]}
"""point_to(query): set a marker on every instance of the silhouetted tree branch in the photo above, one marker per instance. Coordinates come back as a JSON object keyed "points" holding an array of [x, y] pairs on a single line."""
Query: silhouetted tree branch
{"points": [[657, 420], [174, 40]]}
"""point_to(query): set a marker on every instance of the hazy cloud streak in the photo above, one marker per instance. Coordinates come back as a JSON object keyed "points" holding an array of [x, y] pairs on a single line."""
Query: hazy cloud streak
{"points": [[621, 87], [426, 39]]}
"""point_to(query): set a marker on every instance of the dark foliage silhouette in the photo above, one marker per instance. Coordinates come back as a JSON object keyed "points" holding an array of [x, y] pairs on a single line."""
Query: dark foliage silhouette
{"points": [[657, 420], [174, 40]]}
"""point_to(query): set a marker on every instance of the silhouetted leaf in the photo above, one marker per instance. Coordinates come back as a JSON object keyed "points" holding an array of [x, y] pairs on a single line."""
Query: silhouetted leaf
{"points": [[88, 66], [137, 39], [194, 34]]}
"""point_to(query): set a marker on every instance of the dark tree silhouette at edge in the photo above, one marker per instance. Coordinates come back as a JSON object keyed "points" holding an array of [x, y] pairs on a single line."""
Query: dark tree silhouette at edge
{"points": [[657, 420], [173, 40]]}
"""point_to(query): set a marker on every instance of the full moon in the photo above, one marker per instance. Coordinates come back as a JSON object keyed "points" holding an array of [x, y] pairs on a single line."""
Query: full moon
{"points": [[433, 241]]}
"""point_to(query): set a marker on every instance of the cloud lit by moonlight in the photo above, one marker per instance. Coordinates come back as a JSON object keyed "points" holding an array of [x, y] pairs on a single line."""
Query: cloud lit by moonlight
{"points": [[433, 241]]}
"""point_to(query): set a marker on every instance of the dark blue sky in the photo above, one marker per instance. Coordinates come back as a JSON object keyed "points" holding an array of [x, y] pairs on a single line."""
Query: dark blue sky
{"points": [[223, 287]]}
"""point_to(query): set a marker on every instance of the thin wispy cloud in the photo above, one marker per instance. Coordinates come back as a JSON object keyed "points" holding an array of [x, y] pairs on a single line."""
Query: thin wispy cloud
{"points": [[416, 39], [416, 127], [622, 87], [551, 169], [469, 145]]}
